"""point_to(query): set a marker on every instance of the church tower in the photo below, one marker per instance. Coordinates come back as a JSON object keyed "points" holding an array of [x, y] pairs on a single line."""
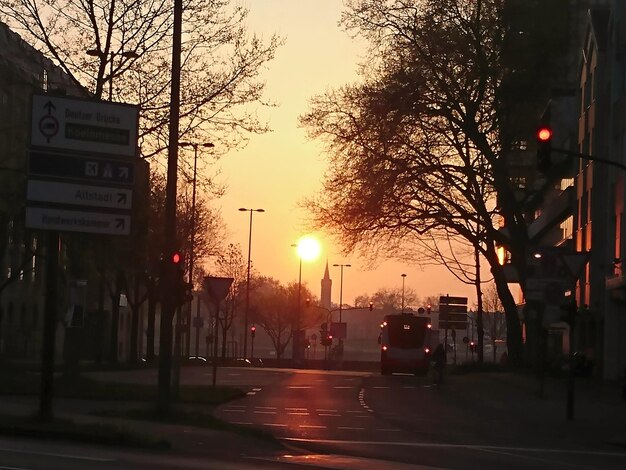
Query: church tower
{"points": [[327, 285]]}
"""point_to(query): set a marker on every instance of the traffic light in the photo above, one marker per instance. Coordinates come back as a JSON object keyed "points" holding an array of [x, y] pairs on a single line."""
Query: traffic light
{"points": [[544, 148], [472, 346], [371, 306], [428, 308], [252, 331], [176, 258]]}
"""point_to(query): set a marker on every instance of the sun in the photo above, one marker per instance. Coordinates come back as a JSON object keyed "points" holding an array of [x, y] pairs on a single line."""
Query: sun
{"points": [[309, 248]]}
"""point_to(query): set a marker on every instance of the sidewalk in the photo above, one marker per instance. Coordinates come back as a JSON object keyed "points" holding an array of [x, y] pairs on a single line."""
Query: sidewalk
{"points": [[599, 408]]}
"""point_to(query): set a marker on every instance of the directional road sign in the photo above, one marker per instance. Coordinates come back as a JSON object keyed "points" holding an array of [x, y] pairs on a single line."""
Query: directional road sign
{"points": [[82, 168], [51, 218], [79, 194], [61, 122]]}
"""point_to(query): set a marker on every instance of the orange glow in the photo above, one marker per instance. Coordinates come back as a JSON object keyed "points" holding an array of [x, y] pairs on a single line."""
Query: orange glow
{"points": [[544, 134]]}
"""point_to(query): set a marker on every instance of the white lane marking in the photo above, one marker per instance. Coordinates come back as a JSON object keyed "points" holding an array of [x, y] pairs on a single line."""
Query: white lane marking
{"points": [[324, 410], [461, 446], [257, 389], [265, 407], [261, 412], [298, 413], [299, 386], [311, 426], [275, 425], [251, 393], [348, 428], [295, 409], [63, 456]]}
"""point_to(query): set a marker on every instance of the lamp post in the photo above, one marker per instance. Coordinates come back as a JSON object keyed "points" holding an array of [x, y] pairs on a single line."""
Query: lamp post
{"points": [[102, 55], [341, 266], [403, 276], [296, 335], [245, 320], [192, 239]]}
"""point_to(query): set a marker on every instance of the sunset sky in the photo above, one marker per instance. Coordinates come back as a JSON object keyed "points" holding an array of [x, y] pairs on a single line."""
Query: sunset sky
{"points": [[277, 170]]}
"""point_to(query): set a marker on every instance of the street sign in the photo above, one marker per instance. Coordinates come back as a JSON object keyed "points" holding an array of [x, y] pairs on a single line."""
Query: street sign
{"points": [[61, 122], [79, 194], [452, 313], [452, 308], [450, 300], [83, 168], [217, 287], [50, 218]]}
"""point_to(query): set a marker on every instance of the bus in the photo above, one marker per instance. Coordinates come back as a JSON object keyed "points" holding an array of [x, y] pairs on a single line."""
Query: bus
{"points": [[405, 344]]}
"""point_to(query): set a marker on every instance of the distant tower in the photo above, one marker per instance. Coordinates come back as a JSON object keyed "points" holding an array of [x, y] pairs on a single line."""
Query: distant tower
{"points": [[327, 285]]}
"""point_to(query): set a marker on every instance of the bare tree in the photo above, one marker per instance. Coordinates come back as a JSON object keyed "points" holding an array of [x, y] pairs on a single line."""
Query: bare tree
{"points": [[121, 50], [416, 147]]}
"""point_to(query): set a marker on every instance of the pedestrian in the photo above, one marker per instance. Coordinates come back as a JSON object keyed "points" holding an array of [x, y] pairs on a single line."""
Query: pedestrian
{"points": [[439, 362]]}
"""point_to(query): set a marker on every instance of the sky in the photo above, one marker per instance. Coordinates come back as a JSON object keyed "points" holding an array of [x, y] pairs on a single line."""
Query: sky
{"points": [[276, 171]]}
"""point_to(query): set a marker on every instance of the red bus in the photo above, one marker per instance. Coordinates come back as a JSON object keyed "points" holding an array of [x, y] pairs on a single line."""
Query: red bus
{"points": [[405, 344]]}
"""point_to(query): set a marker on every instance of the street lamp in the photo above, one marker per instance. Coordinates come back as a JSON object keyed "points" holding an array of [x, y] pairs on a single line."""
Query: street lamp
{"points": [[98, 53], [341, 266], [192, 239], [296, 335], [403, 276], [245, 320]]}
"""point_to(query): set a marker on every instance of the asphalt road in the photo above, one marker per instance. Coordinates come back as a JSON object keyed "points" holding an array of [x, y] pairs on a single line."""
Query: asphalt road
{"points": [[405, 419]]}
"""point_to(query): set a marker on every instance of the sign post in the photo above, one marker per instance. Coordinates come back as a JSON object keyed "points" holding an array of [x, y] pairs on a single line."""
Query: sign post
{"points": [[452, 315]]}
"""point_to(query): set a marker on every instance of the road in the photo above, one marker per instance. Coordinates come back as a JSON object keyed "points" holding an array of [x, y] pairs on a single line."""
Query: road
{"points": [[405, 419]]}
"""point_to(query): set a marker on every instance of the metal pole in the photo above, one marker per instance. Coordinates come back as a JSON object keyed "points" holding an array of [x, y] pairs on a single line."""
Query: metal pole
{"points": [[191, 252], [403, 277], [167, 305], [245, 319], [111, 78]]}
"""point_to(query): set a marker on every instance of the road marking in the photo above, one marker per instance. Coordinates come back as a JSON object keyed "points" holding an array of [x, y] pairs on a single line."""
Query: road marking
{"points": [[299, 386], [264, 412], [311, 426], [257, 389], [265, 407], [460, 446], [63, 456], [348, 428], [275, 425], [298, 413], [296, 409]]}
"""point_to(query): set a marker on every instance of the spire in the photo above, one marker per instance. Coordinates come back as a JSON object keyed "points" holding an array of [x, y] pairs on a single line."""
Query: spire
{"points": [[327, 285]]}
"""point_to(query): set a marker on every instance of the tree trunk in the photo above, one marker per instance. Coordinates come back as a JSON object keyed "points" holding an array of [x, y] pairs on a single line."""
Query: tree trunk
{"points": [[115, 318], [152, 303]]}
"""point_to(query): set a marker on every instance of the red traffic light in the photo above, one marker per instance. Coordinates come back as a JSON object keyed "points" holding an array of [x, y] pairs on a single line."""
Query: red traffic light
{"points": [[544, 134], [176, 257], [253, 328]]}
